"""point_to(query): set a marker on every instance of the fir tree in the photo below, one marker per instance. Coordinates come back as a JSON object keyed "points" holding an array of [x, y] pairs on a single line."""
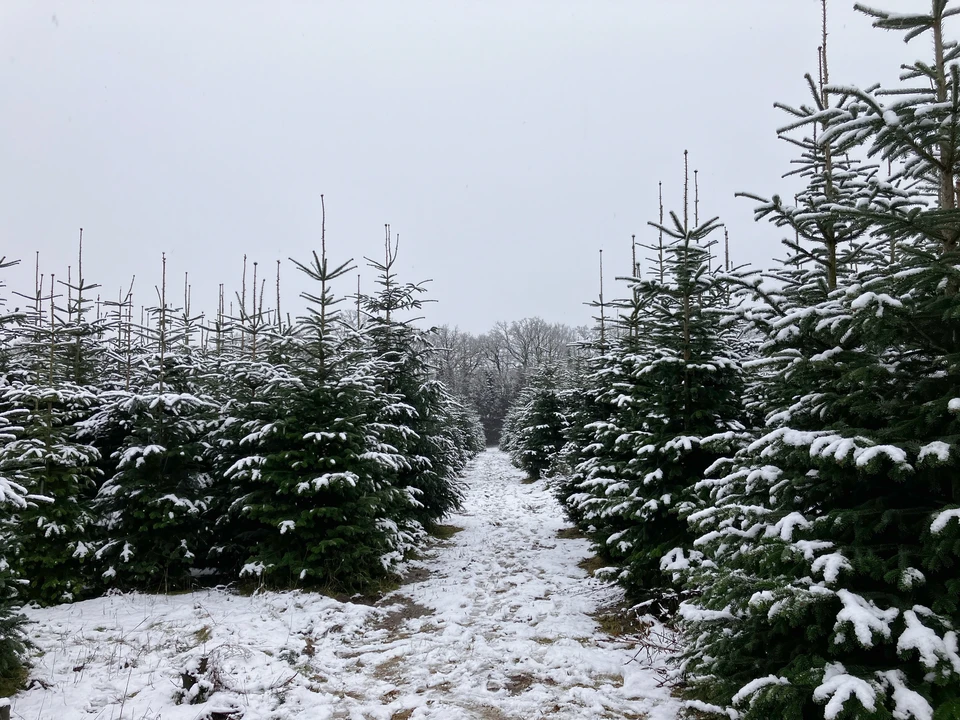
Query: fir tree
{"points": [[253, 391], [55, 537], [313, 492], [533, 431], [13, 499], [673, 383], [417, 424], [491, 400], [466, 429], [153, 502], [586, 413], [833, 538]]}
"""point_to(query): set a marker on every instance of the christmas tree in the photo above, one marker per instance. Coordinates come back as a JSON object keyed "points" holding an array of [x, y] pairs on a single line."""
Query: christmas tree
{"points": [[831, 587]]}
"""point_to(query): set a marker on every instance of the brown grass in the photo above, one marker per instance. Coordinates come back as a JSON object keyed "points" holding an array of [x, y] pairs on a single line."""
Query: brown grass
{"points": [[409, 611], [12, 683], [518, 683], [592, 564], [620, 620], [444, 532]]}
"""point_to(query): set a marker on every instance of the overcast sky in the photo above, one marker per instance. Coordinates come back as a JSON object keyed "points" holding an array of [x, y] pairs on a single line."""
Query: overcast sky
{"points": [[505, 141]]}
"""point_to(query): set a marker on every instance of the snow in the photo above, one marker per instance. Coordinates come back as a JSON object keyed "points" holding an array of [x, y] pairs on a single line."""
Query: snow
{"points": [[911, 577], [328, 479], [714, 709], [754, 686], [931, 647], [865, 617], [693, 613], [830, 565], [938, 449], [787, 525], [940, 520], [837, 688], [138, 454], [677, 560], [881, 300], [253, 461], [810, 548], [907, 704], [495, 623], [12, 493], [824, 444], [896, 455]]}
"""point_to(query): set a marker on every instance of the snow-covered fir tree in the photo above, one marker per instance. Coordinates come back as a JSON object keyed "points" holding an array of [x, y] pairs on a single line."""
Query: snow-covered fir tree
{"points": [[252, 392], [13, 499], [314, 499], [833, 539], [55, 537], [462, 423], [600, 452], [152, 505], [417, 423], [672, 383], [533, 430], [585, 410]]}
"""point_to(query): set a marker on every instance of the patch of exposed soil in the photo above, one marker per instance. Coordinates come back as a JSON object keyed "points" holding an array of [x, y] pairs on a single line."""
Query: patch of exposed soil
{"points": [[408, 610]]}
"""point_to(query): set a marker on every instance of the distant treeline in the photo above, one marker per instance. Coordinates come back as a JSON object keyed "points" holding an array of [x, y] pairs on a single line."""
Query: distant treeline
{"points": [[489, 370]]}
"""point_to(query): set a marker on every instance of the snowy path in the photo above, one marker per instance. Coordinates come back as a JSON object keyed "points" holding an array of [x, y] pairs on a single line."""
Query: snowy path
{"points": [[497, 629]]}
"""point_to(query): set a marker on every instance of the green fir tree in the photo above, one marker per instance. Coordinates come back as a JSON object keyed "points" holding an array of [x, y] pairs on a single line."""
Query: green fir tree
{"points": [[833, 539]]}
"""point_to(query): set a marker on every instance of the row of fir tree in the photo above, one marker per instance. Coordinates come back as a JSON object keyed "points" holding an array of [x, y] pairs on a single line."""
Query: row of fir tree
{"points": [[315, 453], [771, 459]]}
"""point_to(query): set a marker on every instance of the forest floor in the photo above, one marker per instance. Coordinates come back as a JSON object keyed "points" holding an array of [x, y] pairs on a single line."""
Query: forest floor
{"points": [[496, 622]]}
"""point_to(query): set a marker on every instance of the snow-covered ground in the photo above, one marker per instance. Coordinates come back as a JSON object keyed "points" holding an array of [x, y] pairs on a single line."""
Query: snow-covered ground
{"points": [[496, 626]]}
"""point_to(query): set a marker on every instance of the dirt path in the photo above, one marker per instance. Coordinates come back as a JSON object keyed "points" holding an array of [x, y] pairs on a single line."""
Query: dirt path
{"points": [[501, 626]]}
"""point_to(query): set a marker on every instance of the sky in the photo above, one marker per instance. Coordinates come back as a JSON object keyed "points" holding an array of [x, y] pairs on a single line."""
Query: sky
{"points": [[505, 141]]}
